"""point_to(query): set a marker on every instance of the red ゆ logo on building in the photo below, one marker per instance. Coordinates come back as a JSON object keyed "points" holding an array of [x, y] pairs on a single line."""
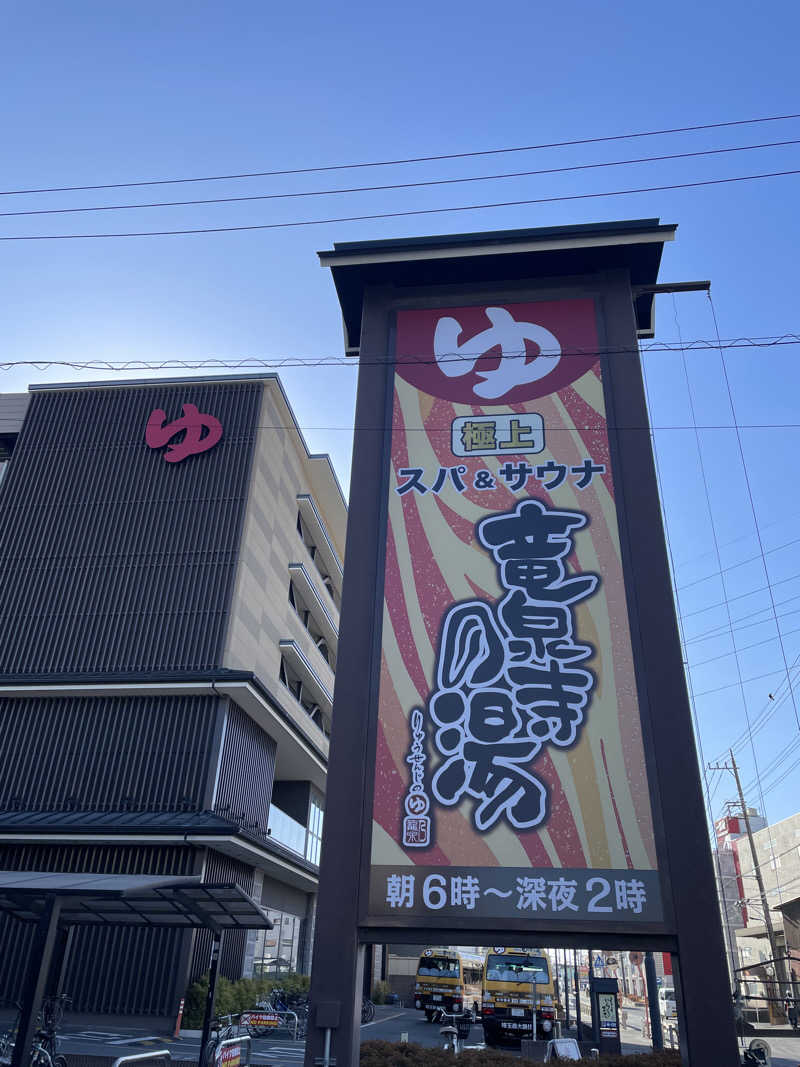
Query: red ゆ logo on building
{"points": [[200, 432]]}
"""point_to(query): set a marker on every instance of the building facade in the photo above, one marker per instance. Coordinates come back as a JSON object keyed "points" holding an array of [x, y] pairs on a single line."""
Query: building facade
{"points": [[777, 851], [170, 566]]}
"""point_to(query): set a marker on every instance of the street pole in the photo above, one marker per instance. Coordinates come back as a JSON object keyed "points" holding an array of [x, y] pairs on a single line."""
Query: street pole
{"points": [[652, 996], [780, 969], [577, 993], [566, 988]]}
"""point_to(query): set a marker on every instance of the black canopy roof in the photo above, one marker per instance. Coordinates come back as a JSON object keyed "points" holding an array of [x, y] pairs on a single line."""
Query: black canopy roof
{"points": [[130, 900]]}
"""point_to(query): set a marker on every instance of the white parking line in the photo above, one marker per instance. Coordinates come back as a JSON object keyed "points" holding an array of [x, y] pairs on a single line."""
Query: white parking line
{"points": [[135, 1040], [383, 1019]]}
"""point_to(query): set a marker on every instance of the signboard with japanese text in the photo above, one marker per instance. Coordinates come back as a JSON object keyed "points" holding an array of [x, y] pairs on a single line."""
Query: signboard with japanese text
{"points": [[510, 773]]}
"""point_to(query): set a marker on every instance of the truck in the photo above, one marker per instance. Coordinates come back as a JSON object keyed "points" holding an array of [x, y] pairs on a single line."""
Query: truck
{"points": [[517, 988]]}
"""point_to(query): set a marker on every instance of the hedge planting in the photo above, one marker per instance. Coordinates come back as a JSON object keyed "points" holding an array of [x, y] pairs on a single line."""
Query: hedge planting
{"points": [[235, 997], [388, 1054]]}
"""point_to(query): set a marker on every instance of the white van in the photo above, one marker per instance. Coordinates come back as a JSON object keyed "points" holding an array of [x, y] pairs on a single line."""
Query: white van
{"points": [[666, 1003]]}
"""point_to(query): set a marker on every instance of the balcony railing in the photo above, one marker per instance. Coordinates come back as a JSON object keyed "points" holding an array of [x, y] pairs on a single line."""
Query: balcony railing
{"points": [[286, 830]]}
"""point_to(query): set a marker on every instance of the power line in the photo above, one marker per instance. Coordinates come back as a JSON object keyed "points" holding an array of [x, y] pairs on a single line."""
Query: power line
{"points": [[753, 507], [774, 764], [742, 563], [401, 162], [733, 685], [398, 185], [416, 359], [740, 596], [711, 634], [694, 556], [402, 214], [783, 777], [744, 648], [771, 705]]}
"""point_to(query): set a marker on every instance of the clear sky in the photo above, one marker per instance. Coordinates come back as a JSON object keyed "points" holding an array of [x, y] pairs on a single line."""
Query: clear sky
{"points": [[98, 93]]}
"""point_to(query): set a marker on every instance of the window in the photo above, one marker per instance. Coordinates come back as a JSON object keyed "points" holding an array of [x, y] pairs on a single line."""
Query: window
{"points": [[6, 448], [515, 967], [276, 949], [314, 834], [439, 967]]}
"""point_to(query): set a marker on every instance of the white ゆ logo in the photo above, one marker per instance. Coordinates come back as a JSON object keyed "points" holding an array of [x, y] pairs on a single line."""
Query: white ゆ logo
{"points": [[511, 336]]}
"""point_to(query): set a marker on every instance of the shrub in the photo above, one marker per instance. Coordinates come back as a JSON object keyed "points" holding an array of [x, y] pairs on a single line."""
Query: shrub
{"points": [[387, 1054], [380, 992], [235, 997]]}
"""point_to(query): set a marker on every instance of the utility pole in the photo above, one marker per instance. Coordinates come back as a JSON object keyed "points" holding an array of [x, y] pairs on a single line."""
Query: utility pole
{"points": [[780, 969]]}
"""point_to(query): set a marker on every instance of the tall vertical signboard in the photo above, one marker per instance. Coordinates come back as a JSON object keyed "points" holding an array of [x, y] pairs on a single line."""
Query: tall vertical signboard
{"points": [[510, 776], [512, 756]]}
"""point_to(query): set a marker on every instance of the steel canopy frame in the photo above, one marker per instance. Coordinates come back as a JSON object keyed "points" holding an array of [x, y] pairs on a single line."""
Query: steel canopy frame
{"points": [[58, 902]]}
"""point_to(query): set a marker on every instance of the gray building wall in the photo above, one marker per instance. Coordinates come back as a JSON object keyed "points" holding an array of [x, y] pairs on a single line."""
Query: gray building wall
{"points": [[112, 559], [778, 851], [261, 614], [116, 563]]}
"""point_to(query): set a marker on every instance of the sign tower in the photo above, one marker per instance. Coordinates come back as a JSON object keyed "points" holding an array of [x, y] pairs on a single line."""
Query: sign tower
{"points": [[512, 754]]}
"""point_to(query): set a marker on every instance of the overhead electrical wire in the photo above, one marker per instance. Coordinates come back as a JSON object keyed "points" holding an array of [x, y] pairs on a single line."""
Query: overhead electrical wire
{"points": [[395, 186], [743, 648], [713, 528], [416, 212], [402, 162], [751, 501], [707, 792], [740, 596], [418, 359], [741, 563], [733, 685], [774, 700], [773, 765], [694, 556], [712, 634]]}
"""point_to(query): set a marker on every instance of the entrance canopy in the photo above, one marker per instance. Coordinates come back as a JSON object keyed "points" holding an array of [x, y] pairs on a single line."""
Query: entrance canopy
{"points": [[129, 900], [56, 902]]}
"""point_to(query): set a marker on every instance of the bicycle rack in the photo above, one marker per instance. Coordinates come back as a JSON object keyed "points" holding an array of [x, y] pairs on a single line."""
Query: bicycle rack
{"points": [[290, 1021], [243, 1040], [156, 1054]]}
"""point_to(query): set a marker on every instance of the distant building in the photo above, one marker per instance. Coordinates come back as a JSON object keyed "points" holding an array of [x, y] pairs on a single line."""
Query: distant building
{"points": [[729, 830], [778, 852], [170, 567]]}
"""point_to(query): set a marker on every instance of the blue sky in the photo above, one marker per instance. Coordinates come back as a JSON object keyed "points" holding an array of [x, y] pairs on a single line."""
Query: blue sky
{"points": [[97, 92]]}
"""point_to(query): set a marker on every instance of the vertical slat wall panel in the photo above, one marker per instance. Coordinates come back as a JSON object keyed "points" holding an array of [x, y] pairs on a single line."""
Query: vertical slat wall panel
{"points": [[247, 770], [220, 868], [105, 752], [95, 979], [112, 559]]}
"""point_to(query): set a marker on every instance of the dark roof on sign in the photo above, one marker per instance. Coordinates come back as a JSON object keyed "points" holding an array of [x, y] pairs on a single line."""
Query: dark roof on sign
{"points": [[130, 900], [499, 256]]}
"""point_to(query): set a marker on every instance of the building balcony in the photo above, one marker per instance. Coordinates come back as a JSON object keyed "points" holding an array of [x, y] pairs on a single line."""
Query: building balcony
{"points": [[286, 831], [306, 685]]}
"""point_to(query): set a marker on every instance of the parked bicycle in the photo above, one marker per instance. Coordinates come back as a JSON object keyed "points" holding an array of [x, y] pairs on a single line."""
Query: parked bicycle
{"points": [[367, 1010], [293, 1010], [455, 1030], [44, 1052], [223, 1028]]}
